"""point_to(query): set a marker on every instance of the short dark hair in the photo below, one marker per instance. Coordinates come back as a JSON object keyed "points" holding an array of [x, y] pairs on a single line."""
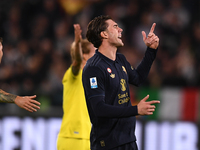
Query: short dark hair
{"points": [[1, 39], [95, 27]]}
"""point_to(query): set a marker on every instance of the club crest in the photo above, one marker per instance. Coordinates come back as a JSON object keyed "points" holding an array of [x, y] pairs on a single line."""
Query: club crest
{"points": [[123, 84]]}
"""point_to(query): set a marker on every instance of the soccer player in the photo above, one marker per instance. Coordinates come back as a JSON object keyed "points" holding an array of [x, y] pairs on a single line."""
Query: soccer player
{"points": [[76, 126], [26, 102], [106, 79]]}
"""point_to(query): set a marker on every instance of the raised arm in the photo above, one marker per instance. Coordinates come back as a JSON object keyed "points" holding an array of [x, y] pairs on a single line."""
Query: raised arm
{"points": [[26, 102], [76, 50], [139, 75]]}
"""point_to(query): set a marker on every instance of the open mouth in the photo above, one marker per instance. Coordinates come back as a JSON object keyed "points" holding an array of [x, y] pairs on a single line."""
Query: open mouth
{"points": [[120, 37]]}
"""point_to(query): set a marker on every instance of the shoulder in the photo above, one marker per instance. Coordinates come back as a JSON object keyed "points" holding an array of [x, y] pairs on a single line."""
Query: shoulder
{"points": [[94, 62], [67, 74], [94, 67]]}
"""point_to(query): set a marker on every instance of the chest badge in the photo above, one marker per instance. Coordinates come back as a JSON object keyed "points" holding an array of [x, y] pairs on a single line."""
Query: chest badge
{"points": [[124, 69], [102, 143], [111, 74], [109, 70]]}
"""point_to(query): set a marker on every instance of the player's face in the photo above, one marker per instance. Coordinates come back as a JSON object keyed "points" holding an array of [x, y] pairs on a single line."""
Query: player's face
{"points": [[1, 51], [114, 33]]}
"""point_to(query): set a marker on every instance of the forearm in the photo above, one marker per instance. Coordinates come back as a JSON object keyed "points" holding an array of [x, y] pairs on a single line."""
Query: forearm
{"points": [[145, 66], [77, 45], [109, 111], [78, 52], [77, 58], [7, 97]]}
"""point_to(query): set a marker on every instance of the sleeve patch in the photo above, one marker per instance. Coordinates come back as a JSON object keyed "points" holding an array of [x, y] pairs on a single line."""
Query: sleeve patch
{"points": [[93, 83]]}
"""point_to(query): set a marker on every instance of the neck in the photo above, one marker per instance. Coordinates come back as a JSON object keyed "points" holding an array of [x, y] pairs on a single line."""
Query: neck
{"points": [[108, 51]]}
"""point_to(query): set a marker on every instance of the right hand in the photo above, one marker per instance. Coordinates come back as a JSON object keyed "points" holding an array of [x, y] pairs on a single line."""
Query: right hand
{"points": [[27, 102], [146, 108], [151, 40]]}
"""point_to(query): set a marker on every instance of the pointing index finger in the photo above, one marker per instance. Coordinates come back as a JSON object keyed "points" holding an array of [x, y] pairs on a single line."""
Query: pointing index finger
{"points": [[152, 28], [154, 102]]}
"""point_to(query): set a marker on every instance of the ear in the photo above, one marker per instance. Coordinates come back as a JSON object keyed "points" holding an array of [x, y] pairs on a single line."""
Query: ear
{"points": [[104, 35]]}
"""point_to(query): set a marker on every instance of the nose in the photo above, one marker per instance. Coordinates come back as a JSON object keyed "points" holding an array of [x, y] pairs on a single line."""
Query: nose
{"points": [[120, 29]]}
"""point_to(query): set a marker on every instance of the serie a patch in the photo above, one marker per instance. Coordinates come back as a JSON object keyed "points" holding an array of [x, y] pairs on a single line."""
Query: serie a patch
{"points": [[93, 83]]}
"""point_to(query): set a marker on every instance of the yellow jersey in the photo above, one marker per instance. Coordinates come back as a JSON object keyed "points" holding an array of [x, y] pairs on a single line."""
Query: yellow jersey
{"points": [[75, 121]]}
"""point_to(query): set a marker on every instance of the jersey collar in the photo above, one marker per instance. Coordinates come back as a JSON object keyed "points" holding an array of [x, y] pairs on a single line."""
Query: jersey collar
{"points": [[108, 60]]}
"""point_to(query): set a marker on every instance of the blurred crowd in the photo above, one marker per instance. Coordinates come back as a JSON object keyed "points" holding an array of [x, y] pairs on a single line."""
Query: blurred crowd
{"points": [[37, 36]]}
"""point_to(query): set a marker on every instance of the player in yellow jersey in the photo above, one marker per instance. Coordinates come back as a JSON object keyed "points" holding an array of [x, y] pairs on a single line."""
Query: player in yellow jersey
{"points": [[75, 128]]}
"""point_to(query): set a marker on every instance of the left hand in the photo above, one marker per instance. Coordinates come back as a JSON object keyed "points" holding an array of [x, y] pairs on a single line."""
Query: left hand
{"points": [[146, 108], [151, 40]]}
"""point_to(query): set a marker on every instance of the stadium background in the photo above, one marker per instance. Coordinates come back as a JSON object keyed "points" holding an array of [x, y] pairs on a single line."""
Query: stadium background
{"points": [[37, 36]]}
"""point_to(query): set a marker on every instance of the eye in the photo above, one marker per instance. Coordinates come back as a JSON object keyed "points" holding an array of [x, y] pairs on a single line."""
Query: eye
{"points": [[115, 26]]}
